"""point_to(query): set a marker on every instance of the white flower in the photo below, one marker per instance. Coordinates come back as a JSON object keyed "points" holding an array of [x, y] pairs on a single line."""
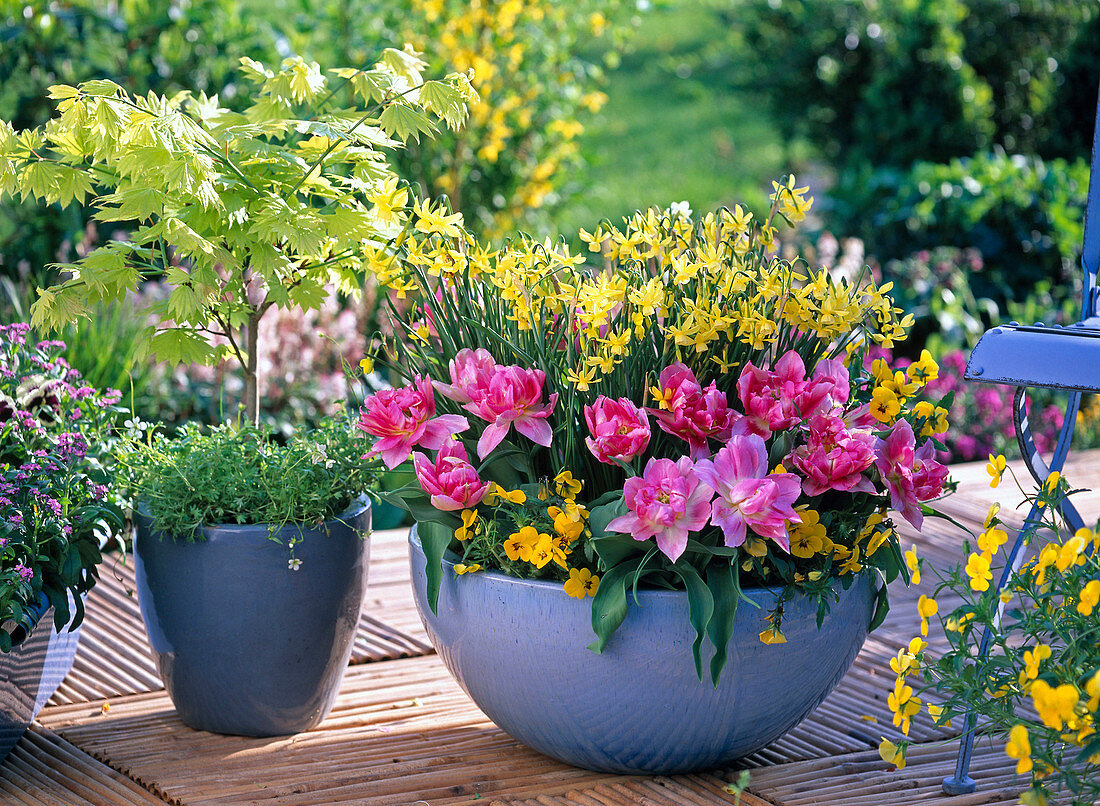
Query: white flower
{"points": [[294, 564], [680, 208]]}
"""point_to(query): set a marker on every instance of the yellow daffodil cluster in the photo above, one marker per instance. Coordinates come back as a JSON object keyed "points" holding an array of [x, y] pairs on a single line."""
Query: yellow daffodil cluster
{"points": [[548, 526], [709, 293]]}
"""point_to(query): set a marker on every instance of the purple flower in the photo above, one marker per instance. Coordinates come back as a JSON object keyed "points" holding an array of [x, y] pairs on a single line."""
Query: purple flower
{"points": [[24, 572]]}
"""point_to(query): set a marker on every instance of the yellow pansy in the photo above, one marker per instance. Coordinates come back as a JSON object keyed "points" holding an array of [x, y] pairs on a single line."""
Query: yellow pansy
{"points": [[1090, 597], [977, 568], [521, 545], [885, 405], [466, 530], [1055, 704], [566, 485], [581, 583]]}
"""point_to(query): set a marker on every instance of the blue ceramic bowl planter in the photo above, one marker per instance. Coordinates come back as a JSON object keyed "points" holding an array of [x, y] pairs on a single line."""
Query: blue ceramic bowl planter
{"points": [[30, 673], [518, 648], [244, 643]]}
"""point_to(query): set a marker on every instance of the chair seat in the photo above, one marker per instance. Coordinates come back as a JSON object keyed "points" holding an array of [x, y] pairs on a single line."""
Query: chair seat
{"points": [[1051, 357]]}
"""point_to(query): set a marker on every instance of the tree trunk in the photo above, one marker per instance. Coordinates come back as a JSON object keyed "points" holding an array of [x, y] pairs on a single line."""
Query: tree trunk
{"points": [[251, 369]]}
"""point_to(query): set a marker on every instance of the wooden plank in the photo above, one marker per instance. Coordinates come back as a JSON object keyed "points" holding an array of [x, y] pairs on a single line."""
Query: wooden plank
{"points": [[114, 657], [862, 779], [45, 770]]}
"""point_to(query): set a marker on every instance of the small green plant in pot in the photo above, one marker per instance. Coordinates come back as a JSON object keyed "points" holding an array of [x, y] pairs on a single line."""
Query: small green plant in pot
{"points": [[250, 573], [55, 513]]}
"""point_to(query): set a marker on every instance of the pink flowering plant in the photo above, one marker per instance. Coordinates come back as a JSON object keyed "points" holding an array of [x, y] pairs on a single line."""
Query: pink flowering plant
{"points": [[55, 510], [679, 408]]}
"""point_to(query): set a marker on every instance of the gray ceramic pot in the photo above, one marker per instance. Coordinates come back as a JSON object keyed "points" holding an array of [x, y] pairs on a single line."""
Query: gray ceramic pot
{"points": [[518, 648], [29, 675], [244, 644]]}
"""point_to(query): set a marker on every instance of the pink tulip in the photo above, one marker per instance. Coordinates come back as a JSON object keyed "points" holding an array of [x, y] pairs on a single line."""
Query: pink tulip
{"points": [[834, 457], [911, 475], [620, 430], [747, 496], [777, 400], [667, 503], [451, 480], [692, 413], [470, 373], [403, 419], [502, 396]]}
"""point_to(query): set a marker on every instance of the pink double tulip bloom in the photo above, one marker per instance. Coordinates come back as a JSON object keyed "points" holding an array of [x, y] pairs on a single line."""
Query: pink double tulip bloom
{"points": [[619, 429], [404, 419], [911, 474], [747, 495], [775, 400], [834, 456], [503, 396], [692, 413], [667, 502], [451, 481]]}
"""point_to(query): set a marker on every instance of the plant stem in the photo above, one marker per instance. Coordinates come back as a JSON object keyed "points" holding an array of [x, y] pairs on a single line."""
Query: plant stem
{"points": [[251, 368]]}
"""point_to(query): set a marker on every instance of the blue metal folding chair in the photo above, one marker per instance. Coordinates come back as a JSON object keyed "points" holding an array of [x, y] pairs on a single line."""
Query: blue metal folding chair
{"points": [[1040, 356]]}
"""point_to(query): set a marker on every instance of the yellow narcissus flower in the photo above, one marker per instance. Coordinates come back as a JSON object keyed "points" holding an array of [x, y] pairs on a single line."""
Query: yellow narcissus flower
{"points": [[581, 583]]}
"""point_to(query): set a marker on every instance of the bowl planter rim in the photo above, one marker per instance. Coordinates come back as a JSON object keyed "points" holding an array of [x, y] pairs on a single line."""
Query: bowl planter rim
{"points": [[357, 506], [760, 593]]}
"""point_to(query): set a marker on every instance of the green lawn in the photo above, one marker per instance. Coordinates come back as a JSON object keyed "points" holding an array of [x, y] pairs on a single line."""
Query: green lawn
{"points": [[676, 127]]}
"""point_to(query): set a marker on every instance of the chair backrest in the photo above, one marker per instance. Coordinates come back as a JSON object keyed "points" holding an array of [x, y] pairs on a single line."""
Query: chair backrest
{"points": [[1090, 252]]}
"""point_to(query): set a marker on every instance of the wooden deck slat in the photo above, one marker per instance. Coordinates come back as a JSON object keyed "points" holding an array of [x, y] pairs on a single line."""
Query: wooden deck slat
{"points": [[114, 657], [45, 770]]}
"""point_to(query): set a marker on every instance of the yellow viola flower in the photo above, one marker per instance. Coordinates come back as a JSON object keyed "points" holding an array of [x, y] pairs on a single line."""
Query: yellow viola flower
{"points": [[904, 663], [923, 370], [466, 530], [772, 636], [461, 568], [991, 516], [567, 486], [808, 538], [1092, 688], [497, 494], [1019, 748], [1055, 704], [1052, 482], [977, 568], [521, 545], [926, 608], [367, 365], [958, 623], [995, 467], [1090, 597], [581, 583], [991, 540], [1071, 554], [936, 713], [1032, 659], [892, 753], [913, 564], [547, 550], [885, 405]]}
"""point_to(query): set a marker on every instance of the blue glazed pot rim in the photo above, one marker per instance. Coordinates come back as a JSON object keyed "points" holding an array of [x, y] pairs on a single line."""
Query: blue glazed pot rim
{"points": [[759, 594], [355, 510]]}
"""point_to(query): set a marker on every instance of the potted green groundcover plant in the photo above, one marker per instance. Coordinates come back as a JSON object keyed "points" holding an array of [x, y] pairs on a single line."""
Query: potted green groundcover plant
{"points": [[55, 516], [1037, 691], [250, 555], [682, 430]]}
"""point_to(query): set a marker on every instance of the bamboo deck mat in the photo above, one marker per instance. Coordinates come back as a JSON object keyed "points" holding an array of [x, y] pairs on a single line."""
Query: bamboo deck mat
{"points": [[403, 734]]}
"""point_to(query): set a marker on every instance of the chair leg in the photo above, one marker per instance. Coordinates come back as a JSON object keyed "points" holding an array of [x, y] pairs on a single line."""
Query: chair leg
{"points": [[961, 783]]}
